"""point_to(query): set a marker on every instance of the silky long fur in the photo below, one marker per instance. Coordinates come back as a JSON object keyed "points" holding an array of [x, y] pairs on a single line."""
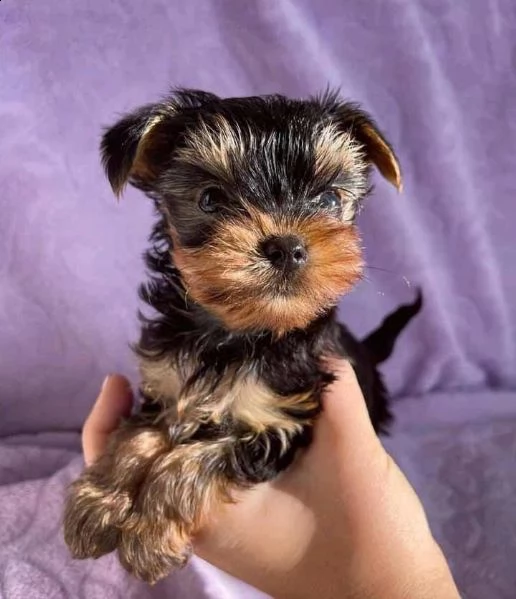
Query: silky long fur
{"points": [[232, 352]]}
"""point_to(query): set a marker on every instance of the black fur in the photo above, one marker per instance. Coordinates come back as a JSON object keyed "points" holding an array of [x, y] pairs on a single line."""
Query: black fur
{"points": [[233, 350], [292, 364], [279, 171], [279, 176]]}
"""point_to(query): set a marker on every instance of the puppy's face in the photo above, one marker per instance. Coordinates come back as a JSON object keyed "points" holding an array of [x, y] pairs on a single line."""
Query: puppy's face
{"points": [[259, 195]]}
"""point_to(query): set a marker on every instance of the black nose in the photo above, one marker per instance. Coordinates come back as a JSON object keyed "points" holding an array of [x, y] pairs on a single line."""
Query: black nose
{"points": [[286, 251]]}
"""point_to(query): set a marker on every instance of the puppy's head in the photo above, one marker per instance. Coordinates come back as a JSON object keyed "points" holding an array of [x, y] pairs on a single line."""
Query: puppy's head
{"points": [[259, 195]]}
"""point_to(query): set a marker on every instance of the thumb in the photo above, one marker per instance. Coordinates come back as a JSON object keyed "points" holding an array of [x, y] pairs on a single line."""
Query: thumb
{"points": [[344, 408], [113, 403]]}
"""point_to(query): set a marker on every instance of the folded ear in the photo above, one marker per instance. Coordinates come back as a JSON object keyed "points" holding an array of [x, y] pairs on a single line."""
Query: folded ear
{"points": [[378, 149], [124, 147], [134, 149], [351, 118]]}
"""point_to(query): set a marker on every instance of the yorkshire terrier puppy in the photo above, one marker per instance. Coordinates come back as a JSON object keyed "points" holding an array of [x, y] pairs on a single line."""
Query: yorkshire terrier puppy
{"points": [[254, 244]]}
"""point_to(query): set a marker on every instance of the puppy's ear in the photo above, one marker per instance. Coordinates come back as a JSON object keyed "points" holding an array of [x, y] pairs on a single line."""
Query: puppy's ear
{"points": [[137, 147], [378, 149], [125, 146], [352, 119]]}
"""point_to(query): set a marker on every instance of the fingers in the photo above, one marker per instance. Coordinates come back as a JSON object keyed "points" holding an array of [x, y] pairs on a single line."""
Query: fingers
{"points": [[113, 403]]}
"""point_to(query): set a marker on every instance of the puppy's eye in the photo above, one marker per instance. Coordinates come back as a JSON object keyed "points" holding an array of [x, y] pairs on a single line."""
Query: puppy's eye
{"points": [[329, 200], [211, 200]]}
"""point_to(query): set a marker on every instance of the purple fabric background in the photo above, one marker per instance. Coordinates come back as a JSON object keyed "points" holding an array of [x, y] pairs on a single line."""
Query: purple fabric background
{"points": [[439, 75]]}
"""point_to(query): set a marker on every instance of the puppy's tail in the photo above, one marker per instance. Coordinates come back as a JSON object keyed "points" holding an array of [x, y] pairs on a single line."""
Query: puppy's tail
{"points": [[381, 341]]}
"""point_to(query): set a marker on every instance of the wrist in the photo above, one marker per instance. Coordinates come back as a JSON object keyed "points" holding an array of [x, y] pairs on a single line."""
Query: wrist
{"points": [[424, 574]]}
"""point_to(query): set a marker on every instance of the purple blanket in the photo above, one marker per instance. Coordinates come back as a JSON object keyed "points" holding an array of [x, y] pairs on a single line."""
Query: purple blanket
{"points": [[440, 77], [462, 466]]}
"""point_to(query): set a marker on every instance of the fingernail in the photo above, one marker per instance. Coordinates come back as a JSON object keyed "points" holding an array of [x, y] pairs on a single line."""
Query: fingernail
{"points": [[105, 382]]}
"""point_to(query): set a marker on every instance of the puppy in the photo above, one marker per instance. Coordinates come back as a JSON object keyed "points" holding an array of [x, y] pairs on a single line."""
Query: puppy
{"points": [[255, 242]]}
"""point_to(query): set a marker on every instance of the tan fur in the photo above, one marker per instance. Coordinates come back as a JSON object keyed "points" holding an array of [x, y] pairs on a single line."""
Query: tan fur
{"points": [[142, 167], [239, 395], [156, 484], [182, 487], [335, 150], [152, 490], [162, 380], [151, 139], [216, 146], [231, 278], [148, 494], [146, 498], [383, 157], [254, 404]]}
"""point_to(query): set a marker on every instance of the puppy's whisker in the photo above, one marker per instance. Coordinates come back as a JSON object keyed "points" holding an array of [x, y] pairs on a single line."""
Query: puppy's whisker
{"points": [[387, 270], [402, 278]]}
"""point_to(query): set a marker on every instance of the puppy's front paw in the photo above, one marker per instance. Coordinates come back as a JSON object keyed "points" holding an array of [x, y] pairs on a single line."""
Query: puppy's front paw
{"points": [[92, 518], [101, 501], [145, 497], [152, 554]]}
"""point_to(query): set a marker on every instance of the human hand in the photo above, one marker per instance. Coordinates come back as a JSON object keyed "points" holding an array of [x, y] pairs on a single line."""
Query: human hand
{"points": [[114, 402], [342, 522]]}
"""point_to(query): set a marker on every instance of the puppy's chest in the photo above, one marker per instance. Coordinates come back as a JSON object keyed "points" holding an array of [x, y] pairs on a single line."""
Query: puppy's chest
{"points": [[240, 397]]}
